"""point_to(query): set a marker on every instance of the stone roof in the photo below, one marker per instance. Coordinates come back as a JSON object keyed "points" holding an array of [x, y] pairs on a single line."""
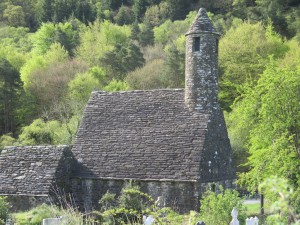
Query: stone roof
{"points": [[30, 169], [202, 24], [140, 135]]}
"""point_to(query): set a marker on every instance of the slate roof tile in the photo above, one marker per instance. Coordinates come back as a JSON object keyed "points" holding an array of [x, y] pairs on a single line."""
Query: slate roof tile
{"points": [[140, 135]]}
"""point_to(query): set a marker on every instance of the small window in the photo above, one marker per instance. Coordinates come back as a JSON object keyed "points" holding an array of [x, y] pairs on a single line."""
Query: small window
{"points": [[217, 46], [196, 46]]}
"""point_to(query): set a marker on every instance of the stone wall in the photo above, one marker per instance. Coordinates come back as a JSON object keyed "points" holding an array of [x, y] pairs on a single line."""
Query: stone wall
{"points": [[181, 196], [216, 162]]}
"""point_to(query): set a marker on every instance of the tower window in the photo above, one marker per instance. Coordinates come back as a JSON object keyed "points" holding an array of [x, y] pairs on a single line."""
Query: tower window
{"points": [[217, 46], [196, 46]]}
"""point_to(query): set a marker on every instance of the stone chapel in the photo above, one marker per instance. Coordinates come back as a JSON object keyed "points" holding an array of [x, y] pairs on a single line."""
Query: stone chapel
{"points": [[173, 143]]}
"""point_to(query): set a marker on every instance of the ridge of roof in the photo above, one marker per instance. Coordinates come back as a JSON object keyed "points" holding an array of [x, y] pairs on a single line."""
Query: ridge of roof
{"points": [[140, 91]]}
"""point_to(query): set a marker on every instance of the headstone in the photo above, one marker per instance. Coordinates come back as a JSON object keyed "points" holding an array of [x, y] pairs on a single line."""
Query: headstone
{"points": [[200, 223], [234, 214], [52, 221], [148, 220], [8, 221]]}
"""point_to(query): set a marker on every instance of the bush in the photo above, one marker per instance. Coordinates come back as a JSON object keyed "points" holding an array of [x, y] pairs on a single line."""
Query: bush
{"points": [[3, 209], [36, 215], [216, 208], [129, 208]]}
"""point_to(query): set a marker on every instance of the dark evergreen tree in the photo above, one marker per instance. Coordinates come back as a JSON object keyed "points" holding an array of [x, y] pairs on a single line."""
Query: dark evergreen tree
{"points": [[46, 13], [146, 36], [139, 8], [124, 16], [10, 86], [135, 31], [123, 59], [175, 67]]}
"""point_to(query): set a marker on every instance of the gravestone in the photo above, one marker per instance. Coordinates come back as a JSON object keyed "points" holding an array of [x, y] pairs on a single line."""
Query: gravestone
{"points": [[234, 214], [148, 220], [52, 221]]}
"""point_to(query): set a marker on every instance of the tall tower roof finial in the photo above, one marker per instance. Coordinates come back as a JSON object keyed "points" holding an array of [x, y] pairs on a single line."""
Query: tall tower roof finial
{"points": [[202, 24]]}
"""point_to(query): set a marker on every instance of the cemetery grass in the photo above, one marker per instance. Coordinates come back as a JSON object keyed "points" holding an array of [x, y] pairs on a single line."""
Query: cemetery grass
{"points": [[254, 209]]}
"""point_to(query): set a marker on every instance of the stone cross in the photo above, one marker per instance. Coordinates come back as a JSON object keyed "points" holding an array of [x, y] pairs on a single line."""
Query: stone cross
{"points": [[234, 214]]}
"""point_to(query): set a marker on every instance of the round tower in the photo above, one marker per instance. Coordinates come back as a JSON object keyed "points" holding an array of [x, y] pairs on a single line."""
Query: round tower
{"points": [[201, 64]]}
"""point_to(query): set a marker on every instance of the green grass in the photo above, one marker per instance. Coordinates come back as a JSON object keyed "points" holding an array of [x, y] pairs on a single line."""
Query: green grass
{"points": [[254, 209]]}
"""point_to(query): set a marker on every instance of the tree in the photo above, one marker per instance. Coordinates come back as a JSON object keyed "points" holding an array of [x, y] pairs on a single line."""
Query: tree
{"points": [[243, 55], [150, 76], [16, 38], [10, 85], [14, 15], [66, 34], [44, 11], [146, 36], [99, 38], [124, 16], [139, 8], [49, 85], [175, 66], [41, 132], [123, 59], [216, 207], [272, 110], [37, 62]]}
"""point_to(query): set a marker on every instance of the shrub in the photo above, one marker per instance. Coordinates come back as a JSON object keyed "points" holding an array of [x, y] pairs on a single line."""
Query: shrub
{"points": [[216, 207], [128, 208], [36, 215], [3, 209]]}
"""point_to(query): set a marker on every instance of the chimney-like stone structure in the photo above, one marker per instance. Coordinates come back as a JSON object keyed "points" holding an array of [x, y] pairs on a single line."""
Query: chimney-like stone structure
{"points": [[201, 64]]}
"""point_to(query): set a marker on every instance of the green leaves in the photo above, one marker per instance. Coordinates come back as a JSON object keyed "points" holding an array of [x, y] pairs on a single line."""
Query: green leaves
{"points": [[274, 136], [216, 208]]}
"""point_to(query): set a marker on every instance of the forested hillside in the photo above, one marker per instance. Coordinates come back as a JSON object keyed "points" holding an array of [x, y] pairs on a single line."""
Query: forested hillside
{"points": [[53, 53]]}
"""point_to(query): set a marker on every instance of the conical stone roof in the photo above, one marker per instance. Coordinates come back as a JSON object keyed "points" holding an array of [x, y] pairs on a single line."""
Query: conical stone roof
{"points": [[202, 24]]}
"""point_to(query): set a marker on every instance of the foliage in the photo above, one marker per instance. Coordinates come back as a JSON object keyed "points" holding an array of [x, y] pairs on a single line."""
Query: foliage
{"points": [[3, 209], [170, 31], [6, 140], [14, 15], [271, 110], [80, 88], [17, 37], [116, 85], [148, 77], [130, 206], [280, 193], [174, 66], [48, 133], [66, 34], [132, 198], [99, 38], [9, 92], [244, 52], [124, 16], [49, 85], [55, 54], [36, 215], [216, 207], [122, 59]]}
